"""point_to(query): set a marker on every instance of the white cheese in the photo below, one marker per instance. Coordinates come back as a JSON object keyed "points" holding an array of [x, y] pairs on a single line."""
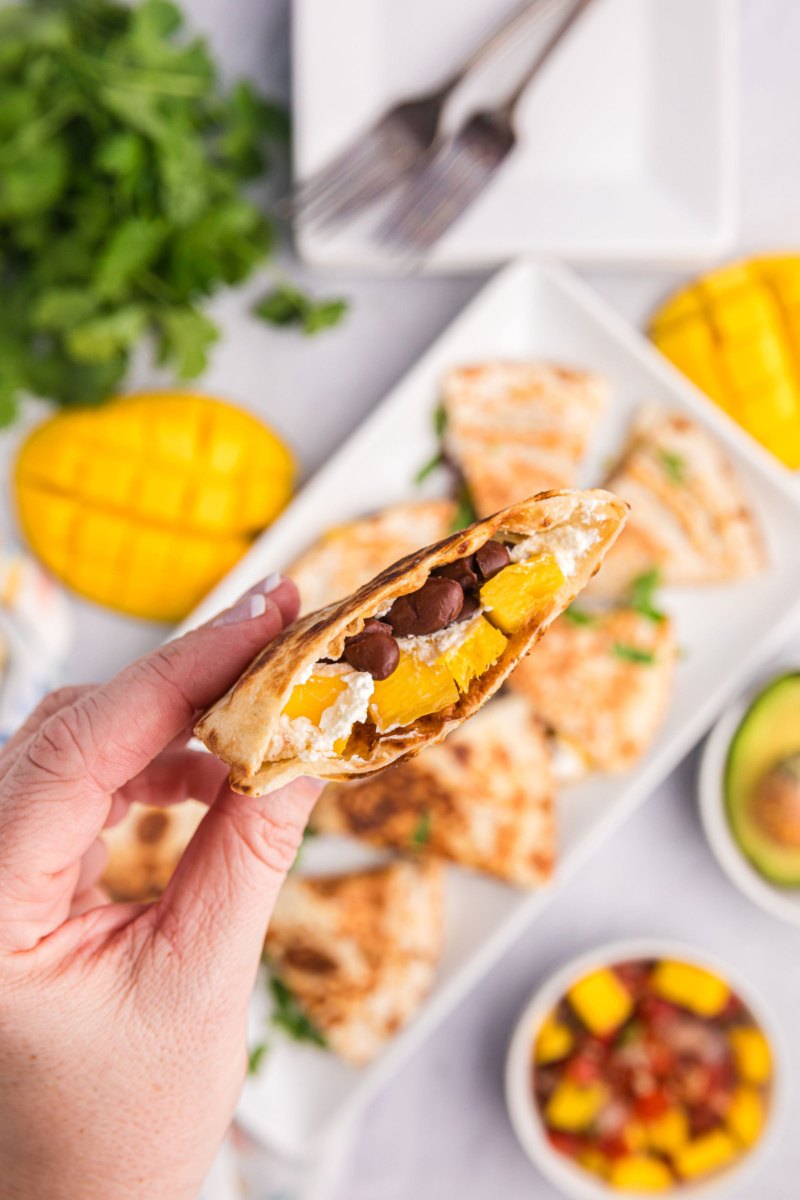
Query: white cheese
{"points": [[566, 543], [302, 739], [430, 647]]}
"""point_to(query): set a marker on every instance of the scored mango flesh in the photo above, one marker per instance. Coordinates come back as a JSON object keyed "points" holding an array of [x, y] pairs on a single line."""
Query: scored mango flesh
{"points": [[520, 590], [736, 333], [145, 503]]}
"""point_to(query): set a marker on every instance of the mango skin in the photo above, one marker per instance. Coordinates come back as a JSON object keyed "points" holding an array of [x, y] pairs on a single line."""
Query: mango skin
{"points": [[145, 503]]}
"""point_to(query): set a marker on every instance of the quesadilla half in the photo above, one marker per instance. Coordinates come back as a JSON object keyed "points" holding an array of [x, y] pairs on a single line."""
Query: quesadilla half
{"points": [[517, 428], [359, 951], [483, 798], [690, 515], [396, 666], [601, 684], [349, 555], [145, 848]]}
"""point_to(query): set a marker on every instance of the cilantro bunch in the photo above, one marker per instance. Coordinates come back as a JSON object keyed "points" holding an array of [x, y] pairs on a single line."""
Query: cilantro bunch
{"points": [[121, 204]]}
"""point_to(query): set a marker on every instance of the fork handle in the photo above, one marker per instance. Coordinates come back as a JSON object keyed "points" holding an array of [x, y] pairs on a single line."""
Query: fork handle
{"points": [[533, 70]]}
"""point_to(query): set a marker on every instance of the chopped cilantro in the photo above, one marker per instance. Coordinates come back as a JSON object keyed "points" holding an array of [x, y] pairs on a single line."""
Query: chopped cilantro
{"points": [[465, 512], [256, 1058], [673, 465], [287, 305], [578, 616], [289, 1016], [421, 833], [439, 420], [633, 654], [430, 466], [641, 595]]}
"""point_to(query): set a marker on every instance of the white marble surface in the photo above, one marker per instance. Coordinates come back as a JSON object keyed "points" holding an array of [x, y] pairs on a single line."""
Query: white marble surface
{"points": [[439, 1131]]}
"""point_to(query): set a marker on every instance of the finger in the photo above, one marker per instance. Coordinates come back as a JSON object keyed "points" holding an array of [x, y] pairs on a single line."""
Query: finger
{"points": [[51, 704], [84, 902], [92, 866], [175, 776]]}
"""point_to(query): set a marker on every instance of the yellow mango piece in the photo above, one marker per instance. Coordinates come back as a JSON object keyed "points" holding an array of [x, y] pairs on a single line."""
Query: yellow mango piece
{"points": [[601, 1001], [668, 1133], [479, 651], [640, 1173], [592, 1160], [706, 1153], [310, 699], [520, 590], [691, 987], [413, 690], [752, 1054], [634, 1135], [573, 1106], [746, 1115], [166, 471], [553, 1041]]}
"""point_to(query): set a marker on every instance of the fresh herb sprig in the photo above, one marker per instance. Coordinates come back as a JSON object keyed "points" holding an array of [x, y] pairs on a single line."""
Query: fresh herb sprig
{"points": [[633, 654], [289, 1016], [674, 466], [287, 305], [421, 833], [642, 593], [579, 616]]}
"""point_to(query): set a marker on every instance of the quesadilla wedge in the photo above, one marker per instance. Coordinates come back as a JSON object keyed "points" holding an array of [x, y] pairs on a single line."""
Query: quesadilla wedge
{"points": [[349, 555], [396, 666], [601, 684], [483, 798], [145, 848], [359, 951], [690, 515], [517, 428]]}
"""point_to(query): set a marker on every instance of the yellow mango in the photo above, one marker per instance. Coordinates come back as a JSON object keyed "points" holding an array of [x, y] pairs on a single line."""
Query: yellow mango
{"points": [[145, 503], [668, 1133], [706, 1153], [520, 590], [413, 690], [752, 1054], [573, 1106], [592, 1160], [553, 1041], [312, 698], [745, 1117], [640, 1173], [601, 1001], [634, 1135], [476, 654], [691, 987]]}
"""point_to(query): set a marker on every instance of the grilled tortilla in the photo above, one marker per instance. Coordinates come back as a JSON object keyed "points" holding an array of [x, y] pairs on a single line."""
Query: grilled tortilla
{"points": [[602, 687], [359, 951], [348, 556], [145, 848], [517, 428], [340, 724], [690, 515], [483, 799]]}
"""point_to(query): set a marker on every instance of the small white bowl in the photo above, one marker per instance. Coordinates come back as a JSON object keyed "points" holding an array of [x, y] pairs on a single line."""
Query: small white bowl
{"points": [[573, 1179], [778, 901]]}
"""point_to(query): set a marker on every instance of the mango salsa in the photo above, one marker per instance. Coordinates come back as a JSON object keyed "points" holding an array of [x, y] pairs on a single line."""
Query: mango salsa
{"points": [[519, 591], [601, 1001], [707, 1153], [479, 651], [573, 1106], [668, 1133], [145, 503], [752, 1054], [691, 987], [745, 1117], [412, 691], [639, 1173], [553, 1041]]}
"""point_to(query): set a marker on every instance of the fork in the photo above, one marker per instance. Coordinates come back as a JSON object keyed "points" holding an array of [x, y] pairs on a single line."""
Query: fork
{"points": [[447, 184], [399, 141]]}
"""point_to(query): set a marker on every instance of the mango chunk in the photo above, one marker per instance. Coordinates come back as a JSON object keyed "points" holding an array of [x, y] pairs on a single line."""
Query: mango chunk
{"points": [[573, 1106], [413, 690], [601, 1001], [745, 1117], [640, 1173], [594, 1161], [479, 651], [691, 987], [310, 699], [669, 1133], [553, 1041], [634, 1135], [704, 1154], [520, 590], [752, 1054]]}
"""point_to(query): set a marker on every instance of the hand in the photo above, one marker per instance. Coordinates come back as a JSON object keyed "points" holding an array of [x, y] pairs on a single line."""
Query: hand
{"points": [[122, 1026]]}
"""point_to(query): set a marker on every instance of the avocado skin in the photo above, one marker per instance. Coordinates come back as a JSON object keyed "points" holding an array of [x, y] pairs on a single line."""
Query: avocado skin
{"points": [[768, 733]]}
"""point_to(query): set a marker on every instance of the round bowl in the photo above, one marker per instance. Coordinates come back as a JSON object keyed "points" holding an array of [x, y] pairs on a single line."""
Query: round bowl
{"points": [[778, 901], [572, 1179]]}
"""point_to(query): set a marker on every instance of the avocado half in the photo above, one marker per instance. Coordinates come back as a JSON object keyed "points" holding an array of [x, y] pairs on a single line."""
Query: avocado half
{"points": [[768, 735]]}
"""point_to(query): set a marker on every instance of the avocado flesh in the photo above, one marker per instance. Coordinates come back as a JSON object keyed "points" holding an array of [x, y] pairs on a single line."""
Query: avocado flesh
{"points": [[769, 734]]}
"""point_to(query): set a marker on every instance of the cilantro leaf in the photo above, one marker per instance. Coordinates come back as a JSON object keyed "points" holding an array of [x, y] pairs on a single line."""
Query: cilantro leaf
{"points": [[431, 465], [578, 616], [421, 833], [465, 512], [256, 1057], [642, 592], [674, 466], [633, 654], [287, 305], [289, 1016], [439, 420]]}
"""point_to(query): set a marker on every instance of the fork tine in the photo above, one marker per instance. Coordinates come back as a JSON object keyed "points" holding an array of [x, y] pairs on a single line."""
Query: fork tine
{"points": [[435, 200], [343, 172]]}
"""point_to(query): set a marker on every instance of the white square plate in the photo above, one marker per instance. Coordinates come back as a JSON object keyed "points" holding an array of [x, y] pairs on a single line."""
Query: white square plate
{"points": [[627, 139], [526, 311]]}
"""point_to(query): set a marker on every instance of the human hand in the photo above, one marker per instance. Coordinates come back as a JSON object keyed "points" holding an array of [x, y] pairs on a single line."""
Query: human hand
{"points": [[122, 1026]]}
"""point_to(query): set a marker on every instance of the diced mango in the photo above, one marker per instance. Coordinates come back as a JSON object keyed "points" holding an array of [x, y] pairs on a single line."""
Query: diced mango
{"points": [[601, 1001], [413, 690], [553, 1041], [745, 1117], [752, 1054], [691, 987], [640, 1173], [634, 1135], [476, 654], [573, 1106], [310, 699], [518, 591], [668, 1133], [592, 1160], [707, 1153]]}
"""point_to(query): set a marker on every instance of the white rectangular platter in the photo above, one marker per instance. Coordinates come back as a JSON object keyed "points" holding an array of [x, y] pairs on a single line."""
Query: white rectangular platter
{"points": [[526, 311], [627, 139]]}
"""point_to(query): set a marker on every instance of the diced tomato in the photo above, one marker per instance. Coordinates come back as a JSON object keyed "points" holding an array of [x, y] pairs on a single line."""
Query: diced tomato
{"points": [[702, 1120], [656, 1011], [634, 975], [660, 1059], [583, 1069], [612, 1147], [652, 1106], [565, 1143]]}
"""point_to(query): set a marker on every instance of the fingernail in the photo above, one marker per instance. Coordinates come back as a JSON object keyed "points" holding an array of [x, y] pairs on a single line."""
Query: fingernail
{"points": [[244, 610], [265, 586]]}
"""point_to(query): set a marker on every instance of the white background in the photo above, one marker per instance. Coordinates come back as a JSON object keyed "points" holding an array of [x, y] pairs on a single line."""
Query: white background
{"points": [[439, 1132]]}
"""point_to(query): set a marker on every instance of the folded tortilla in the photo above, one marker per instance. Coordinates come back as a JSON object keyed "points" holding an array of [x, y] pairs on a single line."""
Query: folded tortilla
{"points": [[146, 847], [559, 540], [483, 799]]}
